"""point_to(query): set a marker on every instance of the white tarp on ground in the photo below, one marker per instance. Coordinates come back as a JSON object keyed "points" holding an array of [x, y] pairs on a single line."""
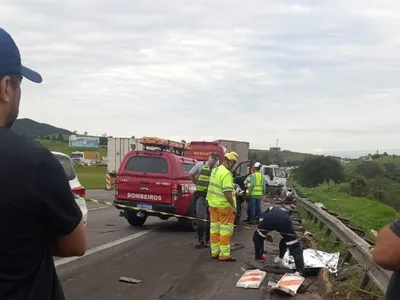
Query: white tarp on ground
{"points": [[315, 259]]}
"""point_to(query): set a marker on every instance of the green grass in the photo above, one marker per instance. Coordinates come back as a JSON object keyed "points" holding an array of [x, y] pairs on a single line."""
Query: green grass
{"points": [[63, 147], [91, 177], [363, 213]]}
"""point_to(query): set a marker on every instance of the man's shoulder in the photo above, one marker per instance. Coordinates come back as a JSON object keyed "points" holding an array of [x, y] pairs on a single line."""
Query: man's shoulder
{"points": [[23, 148]]}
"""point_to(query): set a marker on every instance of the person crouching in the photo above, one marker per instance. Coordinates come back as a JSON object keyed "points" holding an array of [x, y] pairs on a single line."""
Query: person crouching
{"points": [[278, 219]]}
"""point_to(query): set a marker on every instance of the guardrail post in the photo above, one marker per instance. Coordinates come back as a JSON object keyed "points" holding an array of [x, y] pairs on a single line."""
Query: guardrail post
{"points": [[364, 280], [321, 225], [346, 259]]}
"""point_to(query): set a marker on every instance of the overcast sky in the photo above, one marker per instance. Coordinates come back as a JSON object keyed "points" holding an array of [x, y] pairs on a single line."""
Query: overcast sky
{"points": [[320, 76]]}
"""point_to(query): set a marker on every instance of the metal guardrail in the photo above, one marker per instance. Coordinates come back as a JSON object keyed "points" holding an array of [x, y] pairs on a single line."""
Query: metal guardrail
{"points": [[358, 248]]}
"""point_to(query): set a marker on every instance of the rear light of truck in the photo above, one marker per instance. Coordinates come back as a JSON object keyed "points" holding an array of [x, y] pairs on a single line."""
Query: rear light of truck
{"points": [[176, 192], [117, 181], [80, 191]]}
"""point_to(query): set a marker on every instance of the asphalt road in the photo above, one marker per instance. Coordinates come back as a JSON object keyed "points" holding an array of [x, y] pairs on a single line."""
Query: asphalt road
{"points": [[160, 255]]}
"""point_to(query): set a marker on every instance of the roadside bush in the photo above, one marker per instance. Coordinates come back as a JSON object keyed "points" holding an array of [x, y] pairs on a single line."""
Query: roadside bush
{"points": [[358, 186], [317, 169], [370, 169]]}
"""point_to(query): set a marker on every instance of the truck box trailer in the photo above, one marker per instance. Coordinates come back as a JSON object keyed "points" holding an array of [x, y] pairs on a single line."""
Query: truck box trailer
{"points": [[241, 148], [117, 148]]}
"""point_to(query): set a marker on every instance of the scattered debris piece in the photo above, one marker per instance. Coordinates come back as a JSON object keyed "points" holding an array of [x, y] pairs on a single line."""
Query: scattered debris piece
{"points": [[272, 283], [110, 224], [129, 280], [374, 232], [236, 246], [289, 283], [268, 267], [251, 279], [108, 231], [315, 259], [320, 205], [308, 233]]}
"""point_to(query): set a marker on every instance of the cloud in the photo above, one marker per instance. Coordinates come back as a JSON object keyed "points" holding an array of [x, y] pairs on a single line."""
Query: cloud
{"points": [[320, 75]]}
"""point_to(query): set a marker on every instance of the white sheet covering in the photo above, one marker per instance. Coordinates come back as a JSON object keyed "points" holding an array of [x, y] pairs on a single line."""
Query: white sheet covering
{"points": [[315, 259]]}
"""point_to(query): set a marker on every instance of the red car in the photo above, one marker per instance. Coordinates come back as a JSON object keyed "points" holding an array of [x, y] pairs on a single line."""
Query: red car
{"points": [[155, 179]]}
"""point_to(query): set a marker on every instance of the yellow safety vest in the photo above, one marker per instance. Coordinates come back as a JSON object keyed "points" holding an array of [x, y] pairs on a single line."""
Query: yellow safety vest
{"points": [[258, 184], [221, 181], [203, 179]]}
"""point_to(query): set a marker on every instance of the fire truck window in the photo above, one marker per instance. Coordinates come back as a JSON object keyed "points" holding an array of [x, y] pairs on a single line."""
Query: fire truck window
{"points": [[146, 164]]}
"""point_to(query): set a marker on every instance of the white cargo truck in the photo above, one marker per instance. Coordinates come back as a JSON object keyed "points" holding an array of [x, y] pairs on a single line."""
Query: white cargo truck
{"points": [[117, 148], [241, 148]]}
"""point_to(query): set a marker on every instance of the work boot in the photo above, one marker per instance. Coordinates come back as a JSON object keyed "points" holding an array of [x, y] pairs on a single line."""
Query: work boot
{"points": [[206, 244], [207, 237], [199, 244], [200, 237]]}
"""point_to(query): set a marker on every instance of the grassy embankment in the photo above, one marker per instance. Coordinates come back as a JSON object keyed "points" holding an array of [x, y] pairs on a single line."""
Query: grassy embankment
{"points": [[364, 213], [91, 177]]}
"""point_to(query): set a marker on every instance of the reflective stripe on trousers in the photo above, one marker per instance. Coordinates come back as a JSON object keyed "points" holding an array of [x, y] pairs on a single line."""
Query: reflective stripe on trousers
{"points": [[221, 230]]}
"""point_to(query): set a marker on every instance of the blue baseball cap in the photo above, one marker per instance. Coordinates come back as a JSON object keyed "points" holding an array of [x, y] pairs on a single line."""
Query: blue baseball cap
{"points": [[10, 59]]}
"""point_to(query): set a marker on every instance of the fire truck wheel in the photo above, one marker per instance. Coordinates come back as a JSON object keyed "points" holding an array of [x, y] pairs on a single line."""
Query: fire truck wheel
{"points": [[134, 219]]}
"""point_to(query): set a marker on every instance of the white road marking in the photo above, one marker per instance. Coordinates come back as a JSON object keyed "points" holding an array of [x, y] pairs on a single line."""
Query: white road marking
{"points": [[97, 208], [94, 250]]}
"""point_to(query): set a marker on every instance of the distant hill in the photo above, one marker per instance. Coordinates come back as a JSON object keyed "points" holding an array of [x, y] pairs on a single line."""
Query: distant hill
{"points": [[277, 157], [34, 129]]}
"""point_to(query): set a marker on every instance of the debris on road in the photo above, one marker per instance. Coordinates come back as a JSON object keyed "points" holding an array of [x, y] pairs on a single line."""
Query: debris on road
{"points": [[129, 280], [289, 283], [268, 267], [315, 259], [236, 246], [251, 279], [108, 231]]}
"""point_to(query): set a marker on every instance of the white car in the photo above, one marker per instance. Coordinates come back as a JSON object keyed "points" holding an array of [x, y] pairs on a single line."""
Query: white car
{"points": [[74, 183]]}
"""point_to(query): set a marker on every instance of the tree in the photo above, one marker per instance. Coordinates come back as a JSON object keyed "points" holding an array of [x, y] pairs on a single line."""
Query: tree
{"points": [[265, 160], [316, 169], [60, 137], [369, 169], [85, 133]]}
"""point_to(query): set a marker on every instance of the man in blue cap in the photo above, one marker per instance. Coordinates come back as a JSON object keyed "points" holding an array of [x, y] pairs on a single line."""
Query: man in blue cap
{"points": [[39, 217]]}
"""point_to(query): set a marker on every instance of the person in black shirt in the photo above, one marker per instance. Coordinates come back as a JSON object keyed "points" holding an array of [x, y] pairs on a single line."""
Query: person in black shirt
{"points": [[39, 217], [278, 219], [387, 255]]}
